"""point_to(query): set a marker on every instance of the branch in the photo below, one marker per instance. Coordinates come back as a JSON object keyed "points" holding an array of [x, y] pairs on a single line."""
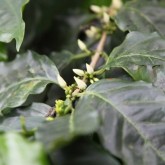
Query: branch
{"points": [[99, 49]]}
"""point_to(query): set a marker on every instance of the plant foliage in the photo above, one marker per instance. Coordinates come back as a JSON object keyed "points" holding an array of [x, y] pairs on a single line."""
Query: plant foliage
{"points": [[96, 96]]}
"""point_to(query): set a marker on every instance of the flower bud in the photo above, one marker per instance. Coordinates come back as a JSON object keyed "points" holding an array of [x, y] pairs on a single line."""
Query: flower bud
{"points": [[80, 83], [117, 4], [96, 9], [91, 32], [61, 81], [105, 17], [81, 45], [49, 118], [96, 79], [89, 69], [79, 72]]}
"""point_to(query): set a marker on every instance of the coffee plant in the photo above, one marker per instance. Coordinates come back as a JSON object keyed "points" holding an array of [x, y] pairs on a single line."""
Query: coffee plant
{"points": [[82, 82]]}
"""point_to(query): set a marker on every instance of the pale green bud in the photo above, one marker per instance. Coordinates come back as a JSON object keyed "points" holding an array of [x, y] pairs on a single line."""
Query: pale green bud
{"points": [[89, 69], [61, 81], [79, 72], [96, 9], [105, 17], [80, 83], [96, 79], [91, 81], [49, 118], [91, 32], [81, 45]]}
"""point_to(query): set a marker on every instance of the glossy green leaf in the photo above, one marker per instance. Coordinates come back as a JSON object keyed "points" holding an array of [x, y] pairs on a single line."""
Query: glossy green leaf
{"points": [[14, 123], [132, 115], [15, 150], [35, 110], [159, 80], [59, 131], [63, 129], [138, 54], [27, 74], [11, 23], [143, 16], [34, 117]]}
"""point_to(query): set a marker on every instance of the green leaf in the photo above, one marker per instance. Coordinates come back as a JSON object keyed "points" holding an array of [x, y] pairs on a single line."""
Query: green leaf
{"points": [[63, 129], [62, 59], [65, 58], [100, 3], [28, 74], [138, 16], [138, 54], [3, 52], [35, 110], [14, 124], [34, 117], [11, 23], [59, 131], [83, 152], [159, 80], [15, 150], [132, 115]]}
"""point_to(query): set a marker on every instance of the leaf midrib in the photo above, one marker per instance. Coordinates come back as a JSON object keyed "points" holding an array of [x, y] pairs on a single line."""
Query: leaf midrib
{"points": [[142, 55]]}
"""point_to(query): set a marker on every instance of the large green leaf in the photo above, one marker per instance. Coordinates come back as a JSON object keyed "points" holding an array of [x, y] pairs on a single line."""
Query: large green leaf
{"points": [[83, 151], [132, 115], [138, 54], [159, 80], [11, 23], [63, 129], [15, 150], [34, 117], [28, 74], [139, 16]]}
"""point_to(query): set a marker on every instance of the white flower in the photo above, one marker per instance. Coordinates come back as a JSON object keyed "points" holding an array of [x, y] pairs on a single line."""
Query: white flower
{"points": [[117, 4], [81, 45], [80, 83], [105, 17], [79, 72], [61, 81], [89, 69], [96, 9]]}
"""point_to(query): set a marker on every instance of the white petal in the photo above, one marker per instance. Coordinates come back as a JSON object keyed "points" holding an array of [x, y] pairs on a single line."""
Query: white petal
{"points": [[81, 45], [89, 69], [61, 81], [95, 9], [80, 83], [79, 72]]}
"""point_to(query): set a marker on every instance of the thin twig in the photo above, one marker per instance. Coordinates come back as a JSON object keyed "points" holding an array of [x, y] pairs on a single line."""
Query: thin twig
{"points": [[99, 49]]}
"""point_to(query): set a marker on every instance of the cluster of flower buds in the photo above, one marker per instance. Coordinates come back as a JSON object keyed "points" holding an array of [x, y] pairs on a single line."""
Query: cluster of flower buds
{"points": [[92, 32], [83, 75], [101, 11], [61, 107]]}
